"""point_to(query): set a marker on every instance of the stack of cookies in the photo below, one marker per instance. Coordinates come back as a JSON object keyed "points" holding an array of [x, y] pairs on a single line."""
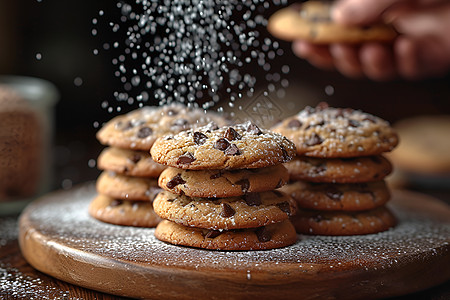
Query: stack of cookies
{"points": [[129, 181], [220, 188], [337, 179]]}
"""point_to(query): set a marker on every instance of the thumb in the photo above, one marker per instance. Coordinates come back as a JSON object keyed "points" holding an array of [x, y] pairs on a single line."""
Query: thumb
{"points": [[360, 12]]}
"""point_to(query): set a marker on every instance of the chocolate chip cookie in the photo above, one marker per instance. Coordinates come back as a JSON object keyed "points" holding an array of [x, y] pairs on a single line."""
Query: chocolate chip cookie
{"points": [[334, 196], [138, 129], [329, 132], [268, 237], [343, 223], [247, 211], [230, 147], [339, 170], [123, 212], [126, 187], [311, 21], [129, 162], [222, 183]]}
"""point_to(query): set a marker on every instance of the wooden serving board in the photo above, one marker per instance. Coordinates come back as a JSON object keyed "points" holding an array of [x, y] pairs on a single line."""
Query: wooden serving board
{"points": [[59, 238]]}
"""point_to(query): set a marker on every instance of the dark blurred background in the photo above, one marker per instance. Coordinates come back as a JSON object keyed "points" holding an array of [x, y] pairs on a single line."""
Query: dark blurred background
{"points": [[53, 40]]}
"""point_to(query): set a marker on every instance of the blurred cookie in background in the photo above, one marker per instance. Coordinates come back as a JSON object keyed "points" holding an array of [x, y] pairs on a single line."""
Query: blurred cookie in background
{"points": [[422, 158]]}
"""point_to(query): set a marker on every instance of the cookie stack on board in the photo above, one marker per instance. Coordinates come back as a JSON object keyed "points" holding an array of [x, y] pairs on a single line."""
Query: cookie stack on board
{"points": [[337, 179], [129, 181], [220, 188]]}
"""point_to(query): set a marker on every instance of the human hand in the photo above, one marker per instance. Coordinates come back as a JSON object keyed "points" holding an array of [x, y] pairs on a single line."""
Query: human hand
{"points": [[421, 50]]}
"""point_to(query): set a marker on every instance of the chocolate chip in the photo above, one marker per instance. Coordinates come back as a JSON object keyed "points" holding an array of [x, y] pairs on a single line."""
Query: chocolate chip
{"points": [[186, 158], [313, 140], [245, 184], [232, 134], [353, 123], [370, 118], [177, 180], [227, 210], [263, 234], [280, 184], [232, 150], [127, 126], [252, 199], [144, 132], [115, 203], [221, 144], [212, 234], [199, 138], [285, 207], [285, 154], [215, 176], [253, 129], [135, 158], [295, 123], [320, 123], [333, 193]]}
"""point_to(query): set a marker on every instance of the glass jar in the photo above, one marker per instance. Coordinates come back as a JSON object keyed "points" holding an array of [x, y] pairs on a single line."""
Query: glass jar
{"points": [[26, 132]]}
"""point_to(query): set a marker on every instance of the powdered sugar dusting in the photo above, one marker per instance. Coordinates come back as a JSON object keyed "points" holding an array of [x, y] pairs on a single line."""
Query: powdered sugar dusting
{"points": [[21, 286], [63, 217], [14, 283]]}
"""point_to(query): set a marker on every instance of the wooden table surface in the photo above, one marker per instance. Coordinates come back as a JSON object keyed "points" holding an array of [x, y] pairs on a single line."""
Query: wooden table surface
{"points": [[18, 280]]}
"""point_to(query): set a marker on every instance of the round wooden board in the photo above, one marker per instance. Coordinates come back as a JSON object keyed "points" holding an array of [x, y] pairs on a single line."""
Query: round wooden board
{"points": [[59, 238]]}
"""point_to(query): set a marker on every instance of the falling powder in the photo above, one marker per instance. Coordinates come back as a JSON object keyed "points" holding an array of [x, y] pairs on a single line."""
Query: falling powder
{"points": [[192, 51]]}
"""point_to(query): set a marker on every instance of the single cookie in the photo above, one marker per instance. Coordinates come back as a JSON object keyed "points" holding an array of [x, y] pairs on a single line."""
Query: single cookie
{"points": [[248, 211], [311, 21], [138, 129], [269, 237], [241, 146], [335, 132], [425, 145], [222, 183], [126, 187], [343, 223], [335, 196], [129, 162], [123, 212], [339, 170]]}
